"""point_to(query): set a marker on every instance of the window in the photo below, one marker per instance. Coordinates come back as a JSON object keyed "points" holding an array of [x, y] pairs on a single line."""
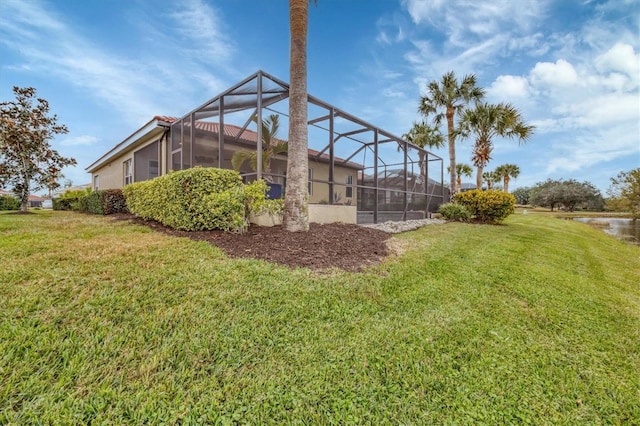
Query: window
{"points": [[128, 175], [96, 182], [310, 181], [349, 189], [147, 162]]}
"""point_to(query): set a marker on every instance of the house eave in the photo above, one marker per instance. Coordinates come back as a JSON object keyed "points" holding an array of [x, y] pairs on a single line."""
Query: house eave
{"points": [[154, 125]]}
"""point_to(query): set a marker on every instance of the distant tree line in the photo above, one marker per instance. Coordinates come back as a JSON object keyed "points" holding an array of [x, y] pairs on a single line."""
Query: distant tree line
{"points": [[561, 194]]}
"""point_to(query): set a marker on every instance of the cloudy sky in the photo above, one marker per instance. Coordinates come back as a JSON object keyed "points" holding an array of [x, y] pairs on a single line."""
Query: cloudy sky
{"points": [[572, 67]]}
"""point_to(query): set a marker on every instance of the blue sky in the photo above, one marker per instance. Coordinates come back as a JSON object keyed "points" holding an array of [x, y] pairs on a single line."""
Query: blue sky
{"points": [[571, 67]]}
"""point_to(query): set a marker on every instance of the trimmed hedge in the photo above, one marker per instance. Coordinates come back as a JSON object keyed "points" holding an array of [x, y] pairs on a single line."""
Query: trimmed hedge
{"points": [[102, 202], [70, 200], [196, 199], [454, 211], [113, 201], [492, 206], [7, 202]]}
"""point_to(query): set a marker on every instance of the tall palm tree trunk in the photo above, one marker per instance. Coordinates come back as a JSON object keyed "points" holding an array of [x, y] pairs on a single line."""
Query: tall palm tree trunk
{"points": [[506, 184], [452, 152], [479, 177], [296, 215]]}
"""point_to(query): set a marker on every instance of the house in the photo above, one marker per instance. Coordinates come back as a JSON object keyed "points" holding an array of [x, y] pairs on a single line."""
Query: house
{"points": [[343, 150], [61, 191], [140, 157], [34, 200]]}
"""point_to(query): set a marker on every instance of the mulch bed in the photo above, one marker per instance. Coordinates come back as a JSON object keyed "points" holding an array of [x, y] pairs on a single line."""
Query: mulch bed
{"points": [[337, 245]]}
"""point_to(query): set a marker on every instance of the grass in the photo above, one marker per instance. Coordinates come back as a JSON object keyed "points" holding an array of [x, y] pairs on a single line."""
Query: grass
{"points": [[102, 322]]}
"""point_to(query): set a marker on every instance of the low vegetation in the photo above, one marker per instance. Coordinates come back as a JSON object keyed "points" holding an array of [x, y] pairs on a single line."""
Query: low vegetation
{"points": [[106, 322], [197, 199], [111, 323], [454, 212], [7, 202], [491, 206]]}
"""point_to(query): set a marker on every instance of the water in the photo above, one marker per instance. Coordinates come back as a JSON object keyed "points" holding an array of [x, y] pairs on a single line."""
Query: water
{"points": [[625, 229]]}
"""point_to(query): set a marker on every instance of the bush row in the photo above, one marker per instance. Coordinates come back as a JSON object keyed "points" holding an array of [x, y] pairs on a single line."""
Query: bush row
{"points": [[492, 206], [7, 202], [197, 199], [102, 202]]}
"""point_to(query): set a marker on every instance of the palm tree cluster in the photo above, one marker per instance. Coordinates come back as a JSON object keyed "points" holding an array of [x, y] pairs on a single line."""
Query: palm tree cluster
{"points": [[503, 173], [450, 98]]}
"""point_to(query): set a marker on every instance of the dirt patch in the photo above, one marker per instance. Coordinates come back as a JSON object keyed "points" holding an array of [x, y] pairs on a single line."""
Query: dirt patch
{"points": [[337, 245]]}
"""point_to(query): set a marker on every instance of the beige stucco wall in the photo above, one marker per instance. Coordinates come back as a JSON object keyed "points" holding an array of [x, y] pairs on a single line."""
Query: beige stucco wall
{"points": [[111, 175], [324, 213], [320, 191]]}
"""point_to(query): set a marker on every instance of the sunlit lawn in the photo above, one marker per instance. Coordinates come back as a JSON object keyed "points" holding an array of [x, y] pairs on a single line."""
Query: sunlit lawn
{"points": [[104, 322]]}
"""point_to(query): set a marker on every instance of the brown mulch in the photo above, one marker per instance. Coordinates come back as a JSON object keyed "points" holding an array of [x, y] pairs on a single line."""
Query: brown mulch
{"points": [[337, 245]]}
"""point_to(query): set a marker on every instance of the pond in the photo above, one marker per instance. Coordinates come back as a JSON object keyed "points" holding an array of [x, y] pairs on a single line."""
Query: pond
{"points": [[625, 229]]}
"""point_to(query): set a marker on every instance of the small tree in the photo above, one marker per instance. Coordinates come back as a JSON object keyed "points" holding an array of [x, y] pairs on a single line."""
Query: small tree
{"points": [[488, 121], [423, 135], [522, 195], [271, 146], [625, 189], [461, 170], [490, 178], [27, 161], [506, 172]]}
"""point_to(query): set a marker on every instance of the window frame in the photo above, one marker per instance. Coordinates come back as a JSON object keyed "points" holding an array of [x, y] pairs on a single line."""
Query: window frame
{"points": [[310, 181], [348, 192], [127, 170]]}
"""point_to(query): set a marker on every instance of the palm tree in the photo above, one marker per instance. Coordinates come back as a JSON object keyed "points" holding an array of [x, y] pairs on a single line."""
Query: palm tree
{"points": [[452, 96], [296, 199], [423, 135], [486, 121], [271, 145], [461, 169], [490, 178], [506, 172]]}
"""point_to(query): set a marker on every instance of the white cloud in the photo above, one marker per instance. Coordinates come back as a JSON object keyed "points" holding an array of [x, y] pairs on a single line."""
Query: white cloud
{"points": [[621, 60], [509, 86], [461, 18], [391, 30], [200, 24], [560, 73], [136, 87], [82, 140]]}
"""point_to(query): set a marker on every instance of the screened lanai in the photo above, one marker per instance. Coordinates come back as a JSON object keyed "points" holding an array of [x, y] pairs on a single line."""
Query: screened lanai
{"points": [[351, 162]]}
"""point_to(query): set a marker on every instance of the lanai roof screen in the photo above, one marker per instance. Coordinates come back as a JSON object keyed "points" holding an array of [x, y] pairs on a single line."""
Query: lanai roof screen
{"points": [[393, 174]]}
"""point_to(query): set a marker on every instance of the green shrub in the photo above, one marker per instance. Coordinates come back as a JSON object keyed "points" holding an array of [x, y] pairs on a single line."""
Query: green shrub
{"points": [[7, 202], [455, 212], [113, 201], [80, 204], [70, 200], [92, 203], [61, 204], [492, 206], [196, 199]]}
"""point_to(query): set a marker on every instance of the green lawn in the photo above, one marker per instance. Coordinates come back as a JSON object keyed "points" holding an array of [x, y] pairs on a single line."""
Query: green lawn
{"points": [[103, 322]]}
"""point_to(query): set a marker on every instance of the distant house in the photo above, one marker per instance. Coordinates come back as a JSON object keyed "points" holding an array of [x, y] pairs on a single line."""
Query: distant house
{"points": [[347, 156], [34, 200], [60, 191]]}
